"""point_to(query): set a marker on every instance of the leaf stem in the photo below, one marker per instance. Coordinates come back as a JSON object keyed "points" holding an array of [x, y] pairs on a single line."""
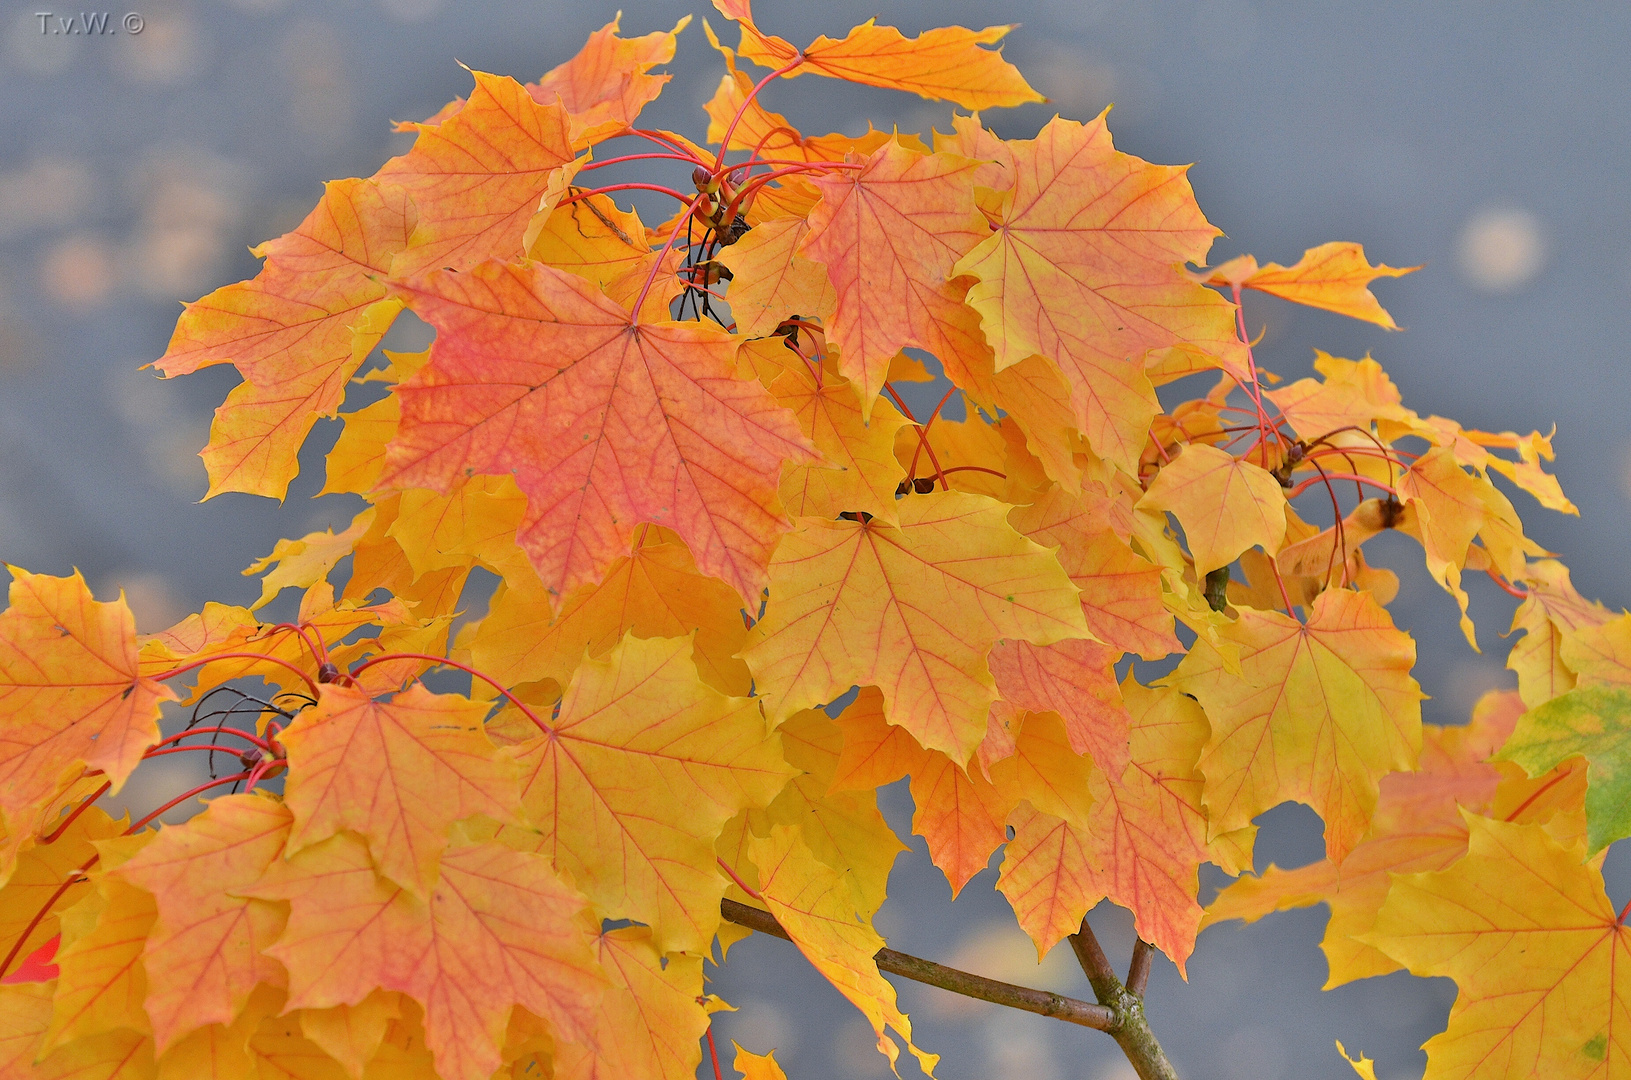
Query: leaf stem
{"points": [[1129, 1028], [725, 143], [1041, 1002], [173, 672], [713, 1053], [84, 805]]}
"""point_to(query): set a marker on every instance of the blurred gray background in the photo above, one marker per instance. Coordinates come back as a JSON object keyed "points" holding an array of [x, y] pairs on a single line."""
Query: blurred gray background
{"points": [[1489, 142]]}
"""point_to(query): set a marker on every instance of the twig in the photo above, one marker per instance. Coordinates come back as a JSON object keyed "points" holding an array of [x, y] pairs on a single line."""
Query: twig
{"points": [[1138, 972], [917, 969], [1131, 1030]]}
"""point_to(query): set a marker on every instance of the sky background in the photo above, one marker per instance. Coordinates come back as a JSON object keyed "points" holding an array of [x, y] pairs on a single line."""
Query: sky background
{"points": [[1486, 142]]}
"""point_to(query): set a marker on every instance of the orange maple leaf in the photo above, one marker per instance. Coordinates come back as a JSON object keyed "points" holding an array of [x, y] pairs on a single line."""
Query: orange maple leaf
{"points": [[911, 609], [1335, 277], [72, 696], [946, 64], [1086, 269], [1318, 713], [205, 955], [481, 176], [605, 86], [603, 423], [889, 234], [297, 332], [500, 930], [397, 773]]}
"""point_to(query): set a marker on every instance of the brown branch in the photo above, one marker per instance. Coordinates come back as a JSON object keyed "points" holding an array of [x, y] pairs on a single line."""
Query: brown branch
{"points": [[1131, 1031], [1138, 972], [917, 969]]}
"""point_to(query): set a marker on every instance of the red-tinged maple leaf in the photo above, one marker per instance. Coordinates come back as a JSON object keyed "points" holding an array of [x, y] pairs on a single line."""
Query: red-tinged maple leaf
{"points": [[397, 773], [1087, 270], [1075, 679], [889, 234], [651, 1020], [1335, 277], [605, 86], [1143, 843], [72, 697], [815, 905], [481, 176], [205, 956], [1318, 712], [297, 332], [911, 609], [638, 722], [1224, 505], [1121, 590], [1541, 962], [498, 931], [603, 423], [945, 64]]}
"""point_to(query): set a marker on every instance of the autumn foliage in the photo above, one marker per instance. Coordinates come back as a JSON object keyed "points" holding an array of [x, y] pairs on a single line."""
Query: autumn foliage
{"points": [[682, 449]]}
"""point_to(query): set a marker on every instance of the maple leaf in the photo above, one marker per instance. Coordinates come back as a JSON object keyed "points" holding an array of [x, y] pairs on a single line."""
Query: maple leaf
{"points": [[637, 722], [651, 1020], [1542, 964], [397, 773], [889, 234], [1319, 712], [1417, 827], [1551, 612], [860, 473], [603, 423], [1142, 844], [776, 282], [297, 332], [655, 592], [303, 563], [101, 981], [1087, 270], [1224, 505], [594, 239], [25, 1011], [1335, 277], [204, 956], [946, 64], [814, 903], [71, 695], [40, 871], [605, 86], [480, 177], [1121, 590], [499, 930], [352, 1034], [912, 609], [756, 1066]]}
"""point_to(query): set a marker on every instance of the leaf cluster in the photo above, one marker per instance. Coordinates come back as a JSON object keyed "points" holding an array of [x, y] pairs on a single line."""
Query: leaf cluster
{"points": [[744, 585]]}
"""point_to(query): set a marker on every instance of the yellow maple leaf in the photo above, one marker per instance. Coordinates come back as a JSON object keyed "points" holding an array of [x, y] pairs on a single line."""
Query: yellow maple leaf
{"points": [[816, 906], [636, 722], [1318, 713], [1542, 963], [1225, 505], [912, 609]]}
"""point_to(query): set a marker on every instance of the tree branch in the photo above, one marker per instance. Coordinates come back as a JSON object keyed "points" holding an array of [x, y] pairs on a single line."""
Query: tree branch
{"points": [[1138, 972], [917, 969], [1131, 1031]]}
